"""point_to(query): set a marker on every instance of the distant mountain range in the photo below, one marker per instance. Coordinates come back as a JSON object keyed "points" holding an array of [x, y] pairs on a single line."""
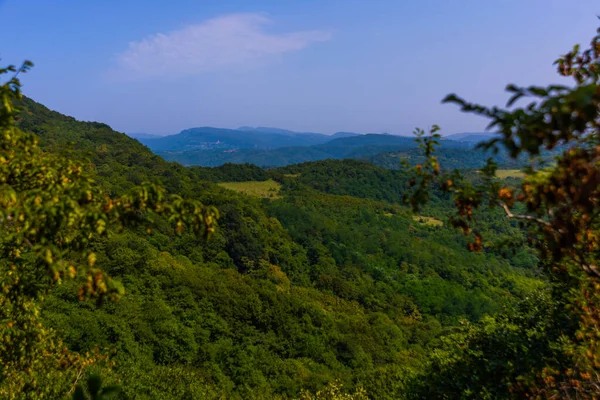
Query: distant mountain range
{"points": [[209, 138], [471, 137], [275, 147], [278, 131]]}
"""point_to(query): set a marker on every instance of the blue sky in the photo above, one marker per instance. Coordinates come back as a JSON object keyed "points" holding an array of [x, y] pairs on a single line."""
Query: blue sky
{"points": [[322, 66]]}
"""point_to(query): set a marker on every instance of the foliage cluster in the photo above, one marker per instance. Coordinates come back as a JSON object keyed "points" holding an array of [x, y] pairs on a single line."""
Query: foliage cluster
{"points": [[331, 285], [289, 294], [557, 205]]}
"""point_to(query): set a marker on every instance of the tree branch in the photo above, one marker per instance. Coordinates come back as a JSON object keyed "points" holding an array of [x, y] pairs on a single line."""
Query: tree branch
{"points": [[591, 269], [509, 214], [588, 268], [76, 380]]}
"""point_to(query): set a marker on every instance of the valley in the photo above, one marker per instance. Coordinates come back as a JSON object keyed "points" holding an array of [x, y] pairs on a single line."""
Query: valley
{"points": [[272, 147], [456, 259], [317, 272]]}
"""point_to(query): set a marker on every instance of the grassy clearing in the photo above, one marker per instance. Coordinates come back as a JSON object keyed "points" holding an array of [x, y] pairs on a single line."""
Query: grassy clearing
{"points": [[292, 175], [427, 220], [265, 189], [509, 173]]}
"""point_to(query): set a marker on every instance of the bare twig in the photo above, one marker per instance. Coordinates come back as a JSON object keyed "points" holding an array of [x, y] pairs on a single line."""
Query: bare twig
{"points": [[76, 380], [509, 214]]}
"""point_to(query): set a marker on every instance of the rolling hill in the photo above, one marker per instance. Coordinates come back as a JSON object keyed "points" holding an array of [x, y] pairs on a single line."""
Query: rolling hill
{"points": [[382, 149], [274, 147], [316, 274], [209, 138], [471, 137]]}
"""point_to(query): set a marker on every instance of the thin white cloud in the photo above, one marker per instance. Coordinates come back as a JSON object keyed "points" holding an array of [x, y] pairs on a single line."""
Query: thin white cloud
{"points": [[237, 40]]}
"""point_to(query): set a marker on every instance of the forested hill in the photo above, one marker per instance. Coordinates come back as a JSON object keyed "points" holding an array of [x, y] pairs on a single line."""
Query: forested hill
{"points": [[270, 147], [118, 161], [316, 273], [210, 138]]}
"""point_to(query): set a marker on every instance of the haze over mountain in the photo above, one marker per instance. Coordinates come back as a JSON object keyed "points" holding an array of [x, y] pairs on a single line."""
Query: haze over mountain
{"points": [[210, 138], [474, 137], [286, 256], [304, 66], [272, 147]]}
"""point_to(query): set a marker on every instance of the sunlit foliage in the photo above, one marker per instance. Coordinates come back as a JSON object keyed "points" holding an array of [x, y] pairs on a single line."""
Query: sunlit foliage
{"points": [[50, 214], [558, 205]]}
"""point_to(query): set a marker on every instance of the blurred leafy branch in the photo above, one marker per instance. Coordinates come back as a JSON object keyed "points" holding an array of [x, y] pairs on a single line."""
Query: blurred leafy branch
{"points": [[51, 211], [558, 204]]}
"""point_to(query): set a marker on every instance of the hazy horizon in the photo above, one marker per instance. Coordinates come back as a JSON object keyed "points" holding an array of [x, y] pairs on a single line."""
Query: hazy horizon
{"points": [[308, 66], [410, 134]]}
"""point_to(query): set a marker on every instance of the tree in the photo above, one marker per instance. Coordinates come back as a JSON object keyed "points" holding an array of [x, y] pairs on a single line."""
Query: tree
{"points": [[558, 204], [51, 212]]}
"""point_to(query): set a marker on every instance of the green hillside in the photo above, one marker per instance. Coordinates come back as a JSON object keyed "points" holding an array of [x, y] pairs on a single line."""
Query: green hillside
{"points": [[262, 263], [332, 279]]}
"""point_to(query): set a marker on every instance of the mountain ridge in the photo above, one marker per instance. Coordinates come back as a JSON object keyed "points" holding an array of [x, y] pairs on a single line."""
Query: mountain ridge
{"points": [[340, 147]]}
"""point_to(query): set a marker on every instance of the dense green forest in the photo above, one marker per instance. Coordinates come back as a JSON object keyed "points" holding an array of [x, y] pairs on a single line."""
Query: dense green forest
{"points": [[335, 279]]}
